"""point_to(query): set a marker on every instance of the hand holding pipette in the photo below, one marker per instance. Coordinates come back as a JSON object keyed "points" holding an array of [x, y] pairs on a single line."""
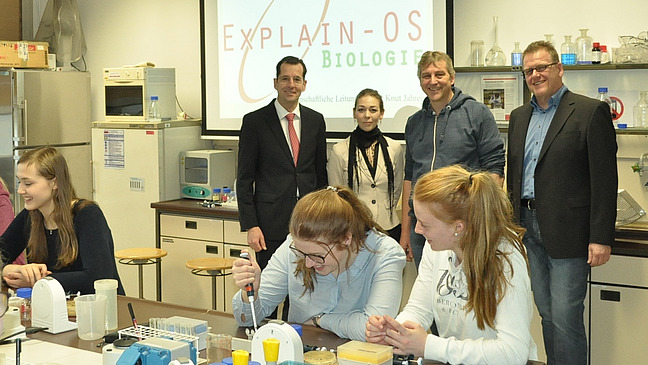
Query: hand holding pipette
{"points": [[241, 272]]}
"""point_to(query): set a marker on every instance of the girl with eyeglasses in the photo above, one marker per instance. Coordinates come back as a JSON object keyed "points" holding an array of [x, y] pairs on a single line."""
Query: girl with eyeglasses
{"points": [[64, 237], [337, 266]]}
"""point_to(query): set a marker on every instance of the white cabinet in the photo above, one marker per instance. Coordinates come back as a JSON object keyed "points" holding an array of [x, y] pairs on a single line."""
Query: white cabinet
{"points": [[185, 238], [235, 241], [619, 326]]}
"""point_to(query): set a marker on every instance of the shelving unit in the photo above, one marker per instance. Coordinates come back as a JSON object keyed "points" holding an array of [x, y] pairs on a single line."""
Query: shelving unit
{"points": [[624, 80]]}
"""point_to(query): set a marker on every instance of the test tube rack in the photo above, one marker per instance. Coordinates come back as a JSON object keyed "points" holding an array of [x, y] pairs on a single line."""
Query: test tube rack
{"points": [[144, 332]]}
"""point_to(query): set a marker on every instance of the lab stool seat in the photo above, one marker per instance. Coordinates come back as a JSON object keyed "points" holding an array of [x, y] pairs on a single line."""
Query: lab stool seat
{"points": [[211, 266], [141, 256]]}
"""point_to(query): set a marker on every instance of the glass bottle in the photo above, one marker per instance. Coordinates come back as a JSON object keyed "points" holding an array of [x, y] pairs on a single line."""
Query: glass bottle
{"points": [[596, 53], [605, 56], [640, 116], [495, 56], [25, 305], [603, 96], [549, 38], [226, 194], [216, 195], [584, 48], [568, 51], [516, 55]]}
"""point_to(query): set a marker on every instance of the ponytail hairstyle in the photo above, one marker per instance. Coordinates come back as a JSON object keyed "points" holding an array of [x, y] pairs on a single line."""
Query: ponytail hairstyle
{"points": [[476, 199], [326, 217], [52, 166]]}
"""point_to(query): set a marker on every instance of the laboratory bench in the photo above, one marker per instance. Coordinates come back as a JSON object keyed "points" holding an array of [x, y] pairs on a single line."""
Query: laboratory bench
{"points": [[218, 321], [145, 309]]}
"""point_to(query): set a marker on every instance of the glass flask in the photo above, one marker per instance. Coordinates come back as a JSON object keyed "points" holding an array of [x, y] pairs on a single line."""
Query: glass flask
{"points": [[568, 51], [640, 119], [495, 56], [584, 48]]}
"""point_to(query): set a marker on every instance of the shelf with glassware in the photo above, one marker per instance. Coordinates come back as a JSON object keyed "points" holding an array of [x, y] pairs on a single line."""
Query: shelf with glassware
{"points": [[605, 66], [625, 80]]}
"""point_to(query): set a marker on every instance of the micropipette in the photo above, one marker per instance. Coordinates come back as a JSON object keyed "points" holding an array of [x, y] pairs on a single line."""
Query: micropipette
{"points": [[249, 289]]}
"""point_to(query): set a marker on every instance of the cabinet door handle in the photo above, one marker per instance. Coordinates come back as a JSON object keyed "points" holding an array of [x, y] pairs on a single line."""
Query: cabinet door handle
{"points": [[167, 240], [234, 252], [191, 225], [211, 249], [611, 296]]}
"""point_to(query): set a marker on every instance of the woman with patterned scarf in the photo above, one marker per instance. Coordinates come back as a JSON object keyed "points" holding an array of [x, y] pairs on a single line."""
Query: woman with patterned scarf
{"points": [[370, 163]]}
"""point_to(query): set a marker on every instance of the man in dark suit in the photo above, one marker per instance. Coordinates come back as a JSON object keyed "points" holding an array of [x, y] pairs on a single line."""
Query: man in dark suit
{"points": [[562, 180], [281, 157]]}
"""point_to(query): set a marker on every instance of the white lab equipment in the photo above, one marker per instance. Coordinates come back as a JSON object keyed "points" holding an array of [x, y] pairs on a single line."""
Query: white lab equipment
{"points": [[291, 347], [49, 308]]}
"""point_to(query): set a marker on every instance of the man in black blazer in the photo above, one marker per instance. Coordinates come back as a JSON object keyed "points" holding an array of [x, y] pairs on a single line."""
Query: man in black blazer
{"points": [[562, 180], [269, 181]]}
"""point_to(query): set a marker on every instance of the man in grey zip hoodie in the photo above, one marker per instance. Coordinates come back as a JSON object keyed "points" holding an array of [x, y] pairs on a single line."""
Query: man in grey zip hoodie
{"points": [[451, 128]]}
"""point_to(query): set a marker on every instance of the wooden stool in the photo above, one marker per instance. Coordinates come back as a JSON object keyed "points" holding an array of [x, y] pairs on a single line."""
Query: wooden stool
{"points": [[141, 256], [211, 266]]}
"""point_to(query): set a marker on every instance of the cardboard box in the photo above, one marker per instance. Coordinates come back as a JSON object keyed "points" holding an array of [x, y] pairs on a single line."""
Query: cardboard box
{"points": [[22, 54], [10, 19]]}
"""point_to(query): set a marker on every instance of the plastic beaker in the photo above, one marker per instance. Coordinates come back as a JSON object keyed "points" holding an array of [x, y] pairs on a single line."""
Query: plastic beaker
{"points": [[91, 316], [219, 346]]}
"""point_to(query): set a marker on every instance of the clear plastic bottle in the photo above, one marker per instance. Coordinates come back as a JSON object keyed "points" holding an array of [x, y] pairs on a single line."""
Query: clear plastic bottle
{"points": [[108, 288], [516, 55], [596, 53], [584, 48], [154, 110], [640, 115], [25, 306], [568, 51], [603, 96], [232, 198]]}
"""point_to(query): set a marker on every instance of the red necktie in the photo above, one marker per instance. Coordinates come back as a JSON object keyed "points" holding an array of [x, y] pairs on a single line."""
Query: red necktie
{"points": [[294, 141]]}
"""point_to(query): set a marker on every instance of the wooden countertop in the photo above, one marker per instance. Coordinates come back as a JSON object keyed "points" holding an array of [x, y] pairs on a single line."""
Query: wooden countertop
{"points": [[194, 207], [631, 240]]}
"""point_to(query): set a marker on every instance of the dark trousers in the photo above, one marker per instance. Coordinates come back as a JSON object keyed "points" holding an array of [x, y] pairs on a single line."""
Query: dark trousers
{"points": [[263, 257]]}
